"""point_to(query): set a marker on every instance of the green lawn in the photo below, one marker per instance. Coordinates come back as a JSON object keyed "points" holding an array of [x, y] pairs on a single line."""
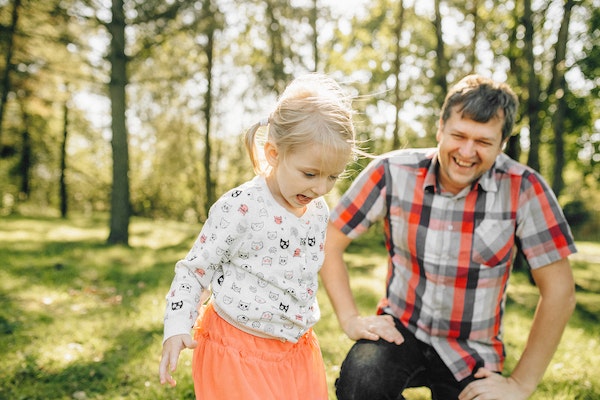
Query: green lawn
{"points": [[81, 320]]}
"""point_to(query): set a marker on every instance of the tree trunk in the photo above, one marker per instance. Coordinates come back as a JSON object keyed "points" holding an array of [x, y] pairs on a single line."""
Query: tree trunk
{"points": [[558, 90], [7, 63], [25, 162], [397, 65], [442, 65], [63, 163], [475, 15], [515, 56], [533, 103], [314, 16], [277, 56], [208, 99], [120, 205]]}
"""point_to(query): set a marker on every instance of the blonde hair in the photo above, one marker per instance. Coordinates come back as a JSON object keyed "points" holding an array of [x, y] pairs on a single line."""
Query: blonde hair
{"points": [[312, 110]]}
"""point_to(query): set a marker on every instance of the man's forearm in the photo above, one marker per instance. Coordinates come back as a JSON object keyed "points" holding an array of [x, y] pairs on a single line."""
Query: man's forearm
{"points": [[556, 304], [337, 285]]}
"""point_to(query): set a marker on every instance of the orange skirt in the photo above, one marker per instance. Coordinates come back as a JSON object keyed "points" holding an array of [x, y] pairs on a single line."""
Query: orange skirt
{"points": [[231, 364]]}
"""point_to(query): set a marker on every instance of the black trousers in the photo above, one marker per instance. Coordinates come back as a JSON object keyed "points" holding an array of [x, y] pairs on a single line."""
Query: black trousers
{"points": [[379, 370]]}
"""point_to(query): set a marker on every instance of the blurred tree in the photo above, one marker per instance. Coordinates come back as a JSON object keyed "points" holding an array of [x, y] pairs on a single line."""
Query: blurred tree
{"points": [[154, 15], [119, 205], [283, 41], [314, 20], [276, 11], [38, 59], [193, 74], [25, 162], [533, 89], [441, 70], [397, 63], [588, 103], [211, 23], [473, 11], [557, 95], [9, 43], [515, 59], [63, 192]]}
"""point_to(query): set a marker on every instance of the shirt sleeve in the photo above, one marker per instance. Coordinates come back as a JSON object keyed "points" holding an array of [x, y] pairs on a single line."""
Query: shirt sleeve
{"points": [[364, 202], [542, 228], [195, 272]]}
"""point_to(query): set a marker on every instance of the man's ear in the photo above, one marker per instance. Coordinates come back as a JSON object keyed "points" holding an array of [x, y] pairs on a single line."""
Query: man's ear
{"points": [[440, 128], [271, 153]]}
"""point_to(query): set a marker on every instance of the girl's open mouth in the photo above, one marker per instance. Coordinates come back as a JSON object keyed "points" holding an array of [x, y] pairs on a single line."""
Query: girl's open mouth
{"points": [[302, 199]]}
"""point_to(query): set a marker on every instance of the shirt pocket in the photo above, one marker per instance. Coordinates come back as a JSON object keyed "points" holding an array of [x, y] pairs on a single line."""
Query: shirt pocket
{"points": [[493, 242]]}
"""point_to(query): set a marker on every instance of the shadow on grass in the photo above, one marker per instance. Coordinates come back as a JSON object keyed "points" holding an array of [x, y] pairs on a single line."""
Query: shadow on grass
{"points": [[584, 318], [110, 281], [586, 315], [114, 376], [109, 274], [75, 264], [49, 285]]}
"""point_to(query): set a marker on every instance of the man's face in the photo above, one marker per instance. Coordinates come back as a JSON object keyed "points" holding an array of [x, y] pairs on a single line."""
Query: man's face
{"points": [[467, 149]]}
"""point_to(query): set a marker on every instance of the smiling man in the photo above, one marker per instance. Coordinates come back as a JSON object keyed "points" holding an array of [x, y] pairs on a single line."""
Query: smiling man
{"points": [[453, 217]]}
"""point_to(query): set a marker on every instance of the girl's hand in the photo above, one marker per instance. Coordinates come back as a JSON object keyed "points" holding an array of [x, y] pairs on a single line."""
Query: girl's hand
{"points": [[170, 354], [373, 327]]}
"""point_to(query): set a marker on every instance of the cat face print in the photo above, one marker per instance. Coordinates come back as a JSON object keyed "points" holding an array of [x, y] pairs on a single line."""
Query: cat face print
{"points": [[244, 306]]}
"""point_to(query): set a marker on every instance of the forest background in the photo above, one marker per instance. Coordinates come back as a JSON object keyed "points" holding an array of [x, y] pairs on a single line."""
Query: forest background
{"points": [[121, 123], [135, 108]]}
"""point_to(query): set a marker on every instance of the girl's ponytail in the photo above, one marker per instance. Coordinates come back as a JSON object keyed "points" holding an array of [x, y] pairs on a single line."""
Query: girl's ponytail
{"points": [[250, 142]]}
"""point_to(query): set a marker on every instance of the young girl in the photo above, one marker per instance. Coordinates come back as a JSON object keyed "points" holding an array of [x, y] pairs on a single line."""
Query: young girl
{"points": [[259, 254]]}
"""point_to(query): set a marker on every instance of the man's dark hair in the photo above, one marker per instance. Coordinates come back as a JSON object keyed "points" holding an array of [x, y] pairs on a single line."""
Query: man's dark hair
{"points": [[480, 99]]}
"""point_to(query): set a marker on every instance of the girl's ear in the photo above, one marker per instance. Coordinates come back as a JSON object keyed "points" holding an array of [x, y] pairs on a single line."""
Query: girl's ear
{"points": [[271, 153]]}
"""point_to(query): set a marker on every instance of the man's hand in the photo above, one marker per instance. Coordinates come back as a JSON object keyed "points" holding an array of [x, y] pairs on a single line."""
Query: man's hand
{"points": [[492, 386], [170, 354], [373, 327]]}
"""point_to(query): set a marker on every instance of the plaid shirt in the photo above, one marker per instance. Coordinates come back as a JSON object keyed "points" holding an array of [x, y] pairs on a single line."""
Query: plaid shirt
{"points": [[451, 255]]}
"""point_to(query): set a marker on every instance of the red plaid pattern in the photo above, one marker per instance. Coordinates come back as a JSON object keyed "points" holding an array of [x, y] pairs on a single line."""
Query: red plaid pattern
{"points": [[451, 255]]}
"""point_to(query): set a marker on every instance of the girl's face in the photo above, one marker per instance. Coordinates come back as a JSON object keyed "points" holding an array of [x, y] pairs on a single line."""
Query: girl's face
{"points": [[303, 174]]}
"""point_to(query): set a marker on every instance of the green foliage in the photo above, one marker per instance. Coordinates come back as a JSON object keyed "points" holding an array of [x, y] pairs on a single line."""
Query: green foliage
{"points": [[82, 320], [576, 213], [60, 57]]}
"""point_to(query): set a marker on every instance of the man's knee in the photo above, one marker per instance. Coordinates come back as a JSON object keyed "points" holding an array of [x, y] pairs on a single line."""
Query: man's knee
{"points": [[363, 372], [365, 357]]}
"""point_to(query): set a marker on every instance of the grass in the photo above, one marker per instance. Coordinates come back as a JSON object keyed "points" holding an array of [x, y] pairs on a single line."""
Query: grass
{"points": [[82, 320]]}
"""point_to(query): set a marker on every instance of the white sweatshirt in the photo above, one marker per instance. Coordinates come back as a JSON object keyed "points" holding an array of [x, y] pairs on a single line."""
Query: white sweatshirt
{"points": [[260, 261]]}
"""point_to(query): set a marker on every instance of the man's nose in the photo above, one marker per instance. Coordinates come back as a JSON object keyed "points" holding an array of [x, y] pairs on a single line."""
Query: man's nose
{"points": [[467, 149]]}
